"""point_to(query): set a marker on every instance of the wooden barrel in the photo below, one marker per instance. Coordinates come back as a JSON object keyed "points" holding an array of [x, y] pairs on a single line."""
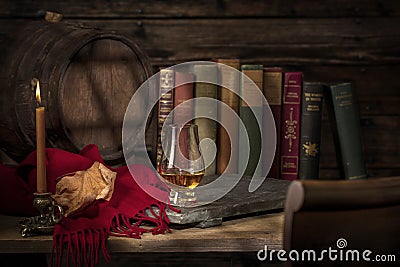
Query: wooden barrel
{"points": [[87, 78]]}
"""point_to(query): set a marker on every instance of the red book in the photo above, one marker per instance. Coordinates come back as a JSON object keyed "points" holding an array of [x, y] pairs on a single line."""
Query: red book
{"points": [[183, 92], [290, 131]]}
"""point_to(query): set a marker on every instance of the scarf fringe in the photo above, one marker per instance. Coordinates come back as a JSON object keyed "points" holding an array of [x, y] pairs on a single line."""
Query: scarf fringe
{"points": [[135, 226], [82, 247]]}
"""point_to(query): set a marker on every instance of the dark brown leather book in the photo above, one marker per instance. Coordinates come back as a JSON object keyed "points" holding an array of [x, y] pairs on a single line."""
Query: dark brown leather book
{"points": [[272, 88], [310, 130], [165, 104], [230, 79]]}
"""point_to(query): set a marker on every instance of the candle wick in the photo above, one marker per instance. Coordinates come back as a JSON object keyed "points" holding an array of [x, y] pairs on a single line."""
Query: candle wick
{"points": [[37, 92]]}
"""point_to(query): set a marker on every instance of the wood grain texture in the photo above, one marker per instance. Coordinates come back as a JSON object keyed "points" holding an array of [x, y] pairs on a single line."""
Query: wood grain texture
{"points": [[319, 213], [204, 8], [241, 235], [343, 195], [299, 41], [379, 137], [95, 91]]}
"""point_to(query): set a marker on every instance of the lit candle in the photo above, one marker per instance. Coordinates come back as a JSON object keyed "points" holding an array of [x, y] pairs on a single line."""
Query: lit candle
{"points": [[41, 185]]}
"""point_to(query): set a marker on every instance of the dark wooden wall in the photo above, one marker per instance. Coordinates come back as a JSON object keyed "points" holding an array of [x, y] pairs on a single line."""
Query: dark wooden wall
{"points": [[329, 40]]}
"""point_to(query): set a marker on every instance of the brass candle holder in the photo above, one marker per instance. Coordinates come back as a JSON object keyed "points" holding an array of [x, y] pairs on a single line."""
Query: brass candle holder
{"points": [[50, 214]]}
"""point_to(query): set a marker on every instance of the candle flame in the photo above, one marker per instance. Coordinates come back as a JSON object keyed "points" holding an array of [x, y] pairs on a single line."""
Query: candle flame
{"points": [[38, 99]]}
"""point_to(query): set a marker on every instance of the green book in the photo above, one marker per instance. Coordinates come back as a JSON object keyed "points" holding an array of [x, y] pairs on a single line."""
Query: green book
{"points": [[345, 122], [207, 128], [248, 117]]}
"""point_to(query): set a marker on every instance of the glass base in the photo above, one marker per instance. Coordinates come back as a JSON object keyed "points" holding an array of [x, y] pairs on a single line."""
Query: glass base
{"points": [[182, 197]]}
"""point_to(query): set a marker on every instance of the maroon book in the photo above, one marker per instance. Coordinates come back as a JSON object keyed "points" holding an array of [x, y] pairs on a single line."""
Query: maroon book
{"points": [[183, 92], [290, 130]]}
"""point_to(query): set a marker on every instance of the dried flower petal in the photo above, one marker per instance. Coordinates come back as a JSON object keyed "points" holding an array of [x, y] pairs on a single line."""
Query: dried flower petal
{"points": [[76, 191]]}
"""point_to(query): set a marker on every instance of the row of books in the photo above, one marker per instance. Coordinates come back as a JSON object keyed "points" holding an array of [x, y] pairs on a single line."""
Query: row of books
{"points": [[302, 103], [296, 106]]}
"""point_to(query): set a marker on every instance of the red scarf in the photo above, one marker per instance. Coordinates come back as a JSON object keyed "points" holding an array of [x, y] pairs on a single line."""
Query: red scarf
{"points": [[85, 233]]}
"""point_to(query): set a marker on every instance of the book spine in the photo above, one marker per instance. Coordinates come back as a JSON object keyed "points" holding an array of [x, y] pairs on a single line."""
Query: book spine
{"points": [[228, 79], [272, 88], [290, 125], [345, 123], [183, 91], [255, 73], [310, 130], [165, 105], [207, 128]]}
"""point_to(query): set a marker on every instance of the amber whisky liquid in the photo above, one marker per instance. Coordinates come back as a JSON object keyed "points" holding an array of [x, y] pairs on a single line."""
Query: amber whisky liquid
{"points": [[183, 178]]}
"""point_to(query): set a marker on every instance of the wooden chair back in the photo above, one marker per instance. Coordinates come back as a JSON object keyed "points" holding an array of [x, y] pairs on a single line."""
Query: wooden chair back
{"points": [[344, 215]]}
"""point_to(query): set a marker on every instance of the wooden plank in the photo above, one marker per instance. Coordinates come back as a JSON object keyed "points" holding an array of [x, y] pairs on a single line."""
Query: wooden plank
{"points": [[380, 105], [373, 84], [202, 8], [374, 158], [376, 130], [276, 41], [285, 42], [379, 136], [369, 105], [246, 234], [95, 92]]}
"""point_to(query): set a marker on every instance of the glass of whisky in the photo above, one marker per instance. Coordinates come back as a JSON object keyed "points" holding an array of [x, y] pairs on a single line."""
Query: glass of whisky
{"points": [[182, 165]]}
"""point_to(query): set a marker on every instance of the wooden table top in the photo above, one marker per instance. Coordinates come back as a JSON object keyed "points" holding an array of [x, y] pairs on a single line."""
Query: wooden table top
{"points": [[239, 235]]}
